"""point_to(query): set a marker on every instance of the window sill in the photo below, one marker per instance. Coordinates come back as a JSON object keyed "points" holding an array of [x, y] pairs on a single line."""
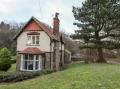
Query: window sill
{"points": [[32, 45], [30, 70]]}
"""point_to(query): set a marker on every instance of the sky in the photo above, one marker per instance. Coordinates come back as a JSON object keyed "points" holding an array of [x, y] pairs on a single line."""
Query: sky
{"points": [[44, 10]]}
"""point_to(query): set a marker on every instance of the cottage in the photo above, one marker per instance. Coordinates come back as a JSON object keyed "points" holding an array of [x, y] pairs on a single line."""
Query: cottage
{"points": [[40, 47]]}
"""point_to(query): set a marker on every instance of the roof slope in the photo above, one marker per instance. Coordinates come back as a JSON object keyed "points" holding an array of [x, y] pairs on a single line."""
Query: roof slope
{"points": [[44, 27]]}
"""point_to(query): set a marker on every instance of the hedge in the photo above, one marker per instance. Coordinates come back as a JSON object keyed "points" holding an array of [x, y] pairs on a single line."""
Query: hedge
{"points": [[19, 76]]}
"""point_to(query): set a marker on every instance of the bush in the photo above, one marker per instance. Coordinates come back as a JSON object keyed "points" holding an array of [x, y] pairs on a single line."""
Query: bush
{"points": [[5, 59], [19, 76]]}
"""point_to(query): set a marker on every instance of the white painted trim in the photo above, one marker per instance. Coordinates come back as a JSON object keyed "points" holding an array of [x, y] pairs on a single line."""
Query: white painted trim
{"points": [[21, 62], [40, 62], [34, 62]]}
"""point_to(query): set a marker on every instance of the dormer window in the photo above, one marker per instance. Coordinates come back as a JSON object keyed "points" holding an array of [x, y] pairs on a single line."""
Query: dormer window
{"points": [[33, 39]]}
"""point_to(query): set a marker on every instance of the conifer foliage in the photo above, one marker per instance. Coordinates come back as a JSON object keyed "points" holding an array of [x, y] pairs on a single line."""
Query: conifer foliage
{"points": [[5, 59], [99, 25]]}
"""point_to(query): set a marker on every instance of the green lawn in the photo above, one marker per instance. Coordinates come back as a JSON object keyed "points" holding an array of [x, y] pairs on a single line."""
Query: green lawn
{"points": [[77, 76], [13, 68]]}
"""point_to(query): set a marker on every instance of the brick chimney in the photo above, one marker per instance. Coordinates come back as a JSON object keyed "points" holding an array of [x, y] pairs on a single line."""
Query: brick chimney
{"points": [[56, 24]]}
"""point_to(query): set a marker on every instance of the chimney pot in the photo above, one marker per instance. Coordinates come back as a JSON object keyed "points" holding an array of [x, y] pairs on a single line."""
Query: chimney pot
{"points": [[56, 15]]}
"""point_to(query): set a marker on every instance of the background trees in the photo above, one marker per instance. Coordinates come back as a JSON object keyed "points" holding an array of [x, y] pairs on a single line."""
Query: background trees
{"points": [[7, 33], [99, 23]]}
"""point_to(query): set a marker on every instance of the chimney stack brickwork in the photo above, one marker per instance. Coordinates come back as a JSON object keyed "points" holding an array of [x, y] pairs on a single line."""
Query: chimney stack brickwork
{"points": [[56, 48], [56, 24]]}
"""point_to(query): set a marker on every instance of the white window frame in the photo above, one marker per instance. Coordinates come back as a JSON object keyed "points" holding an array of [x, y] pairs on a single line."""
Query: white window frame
{"points": [[31, 40], [34, 62]]}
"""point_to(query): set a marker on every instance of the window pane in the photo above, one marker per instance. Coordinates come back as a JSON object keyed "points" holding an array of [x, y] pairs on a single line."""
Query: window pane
{"points": [[37, 39], [37, 57], [33, 39], [30, 65], [31, 57], [26, 57], [25, 65], [36, 65], [29, 40]]}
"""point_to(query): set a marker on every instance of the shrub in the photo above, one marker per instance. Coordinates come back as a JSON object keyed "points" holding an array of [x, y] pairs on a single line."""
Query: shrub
{"points": [[5, 59], [19, 76]]}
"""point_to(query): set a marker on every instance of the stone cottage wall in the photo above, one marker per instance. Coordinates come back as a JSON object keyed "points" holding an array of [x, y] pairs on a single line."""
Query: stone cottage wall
{"points": [[63, 57], [18, 62], [56, 57], [52, 63], [47, 61], [67, 57]]}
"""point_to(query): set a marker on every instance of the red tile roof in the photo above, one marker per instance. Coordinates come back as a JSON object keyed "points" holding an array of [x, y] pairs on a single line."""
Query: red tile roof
{"points": [[31, 50], [32, 26], [44, 27]]}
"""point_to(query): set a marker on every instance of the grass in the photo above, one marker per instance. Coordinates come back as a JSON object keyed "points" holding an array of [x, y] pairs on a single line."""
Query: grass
{"points": [[77, 76], [13, 68]]}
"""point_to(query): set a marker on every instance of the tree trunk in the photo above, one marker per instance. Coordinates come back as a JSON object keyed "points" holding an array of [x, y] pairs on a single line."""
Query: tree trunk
{"points": [[100, 56]]}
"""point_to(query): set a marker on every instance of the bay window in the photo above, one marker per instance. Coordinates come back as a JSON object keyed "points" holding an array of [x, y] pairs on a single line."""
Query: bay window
{"points": [[31, 62]]}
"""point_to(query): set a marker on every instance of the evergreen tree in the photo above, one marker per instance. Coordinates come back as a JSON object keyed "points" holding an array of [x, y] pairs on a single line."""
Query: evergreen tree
{"points": [[99, 23], [5, 59]]}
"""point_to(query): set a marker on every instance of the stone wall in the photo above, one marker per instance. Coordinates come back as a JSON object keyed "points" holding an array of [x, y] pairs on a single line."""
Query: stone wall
{"points": [[56, 57], [18, 62], [67, 57], [43, 62], [61, 58], [52, 62], [47, 61]]}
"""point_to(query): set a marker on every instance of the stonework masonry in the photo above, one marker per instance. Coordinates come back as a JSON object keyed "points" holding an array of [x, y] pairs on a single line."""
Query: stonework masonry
{"points": [[18, 62], [47, 61]]}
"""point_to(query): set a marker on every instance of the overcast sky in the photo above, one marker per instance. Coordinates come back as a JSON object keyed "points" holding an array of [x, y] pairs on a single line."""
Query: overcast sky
{"points": [[44, 10]]}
